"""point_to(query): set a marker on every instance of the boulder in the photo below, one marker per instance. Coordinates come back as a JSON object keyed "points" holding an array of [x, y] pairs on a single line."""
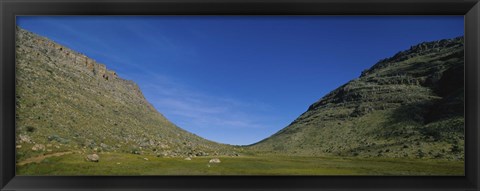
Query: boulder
{"points": [[215, 160], [93, 158], [188, 158], [38, 147], [24, 139]]}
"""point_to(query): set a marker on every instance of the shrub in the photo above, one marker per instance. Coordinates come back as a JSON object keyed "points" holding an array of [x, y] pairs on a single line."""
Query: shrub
{"points": [[455, 149], [420, 153], [31, 129]]}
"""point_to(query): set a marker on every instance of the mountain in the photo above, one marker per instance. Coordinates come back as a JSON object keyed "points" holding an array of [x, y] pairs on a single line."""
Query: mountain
{"points": [[66, 101], [410, 105]]}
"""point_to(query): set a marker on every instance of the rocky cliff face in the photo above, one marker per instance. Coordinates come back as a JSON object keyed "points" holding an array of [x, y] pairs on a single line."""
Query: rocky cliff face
{"points": [[409, 105], [42, 46], [66, 101]]}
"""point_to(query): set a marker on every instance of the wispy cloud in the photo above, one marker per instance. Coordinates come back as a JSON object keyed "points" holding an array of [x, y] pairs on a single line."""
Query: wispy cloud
{"points": [[192, 108]]}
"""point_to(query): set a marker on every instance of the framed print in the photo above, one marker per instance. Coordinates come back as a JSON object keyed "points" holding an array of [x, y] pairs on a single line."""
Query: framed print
{"points": [[184, 95]]}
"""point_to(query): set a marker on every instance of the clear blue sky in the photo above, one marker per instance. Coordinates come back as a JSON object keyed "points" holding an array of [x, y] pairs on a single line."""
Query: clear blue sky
{"points": [[239, 79]]}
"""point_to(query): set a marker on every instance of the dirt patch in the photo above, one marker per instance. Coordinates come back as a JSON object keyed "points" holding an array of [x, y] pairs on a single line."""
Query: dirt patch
{"points": [[39, 159]]}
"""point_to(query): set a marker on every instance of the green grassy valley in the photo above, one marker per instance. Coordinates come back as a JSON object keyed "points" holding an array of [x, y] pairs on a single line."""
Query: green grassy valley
{"points": [[130, 164], [403, 116]]}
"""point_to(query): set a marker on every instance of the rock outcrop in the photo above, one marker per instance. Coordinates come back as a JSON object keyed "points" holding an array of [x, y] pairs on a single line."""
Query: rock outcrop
{"points": [[43, 46], [69, 100], [410, 105]]}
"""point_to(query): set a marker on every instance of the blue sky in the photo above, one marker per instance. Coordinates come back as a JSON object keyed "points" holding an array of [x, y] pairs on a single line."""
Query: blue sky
{"points": [[239, 79]]}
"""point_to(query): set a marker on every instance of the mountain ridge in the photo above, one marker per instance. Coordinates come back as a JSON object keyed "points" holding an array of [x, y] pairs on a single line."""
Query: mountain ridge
{"points": [[419, 87], [68, 101]]}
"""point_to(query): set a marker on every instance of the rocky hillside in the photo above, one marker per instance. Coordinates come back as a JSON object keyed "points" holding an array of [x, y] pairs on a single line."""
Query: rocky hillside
{"points": [[66, 101], [409, 105]]}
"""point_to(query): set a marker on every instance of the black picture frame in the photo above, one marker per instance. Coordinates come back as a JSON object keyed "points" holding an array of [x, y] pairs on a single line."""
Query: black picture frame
{"points": [[11, 8]]}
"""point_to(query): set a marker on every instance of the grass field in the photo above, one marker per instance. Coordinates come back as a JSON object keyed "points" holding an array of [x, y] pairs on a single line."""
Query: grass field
{"points": [[130, 164]]}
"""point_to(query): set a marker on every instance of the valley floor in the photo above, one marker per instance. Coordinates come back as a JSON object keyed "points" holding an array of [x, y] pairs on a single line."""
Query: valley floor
{"points": [[131, 164]]}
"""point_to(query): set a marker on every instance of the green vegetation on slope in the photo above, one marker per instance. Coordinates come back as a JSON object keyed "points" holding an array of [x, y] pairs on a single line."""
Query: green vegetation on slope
{"points": [[407, 106], [66, 101]]}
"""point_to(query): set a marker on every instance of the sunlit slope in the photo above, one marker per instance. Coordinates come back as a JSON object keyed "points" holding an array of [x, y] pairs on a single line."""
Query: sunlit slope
{"points": [[410, 105], [67, 101]]}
